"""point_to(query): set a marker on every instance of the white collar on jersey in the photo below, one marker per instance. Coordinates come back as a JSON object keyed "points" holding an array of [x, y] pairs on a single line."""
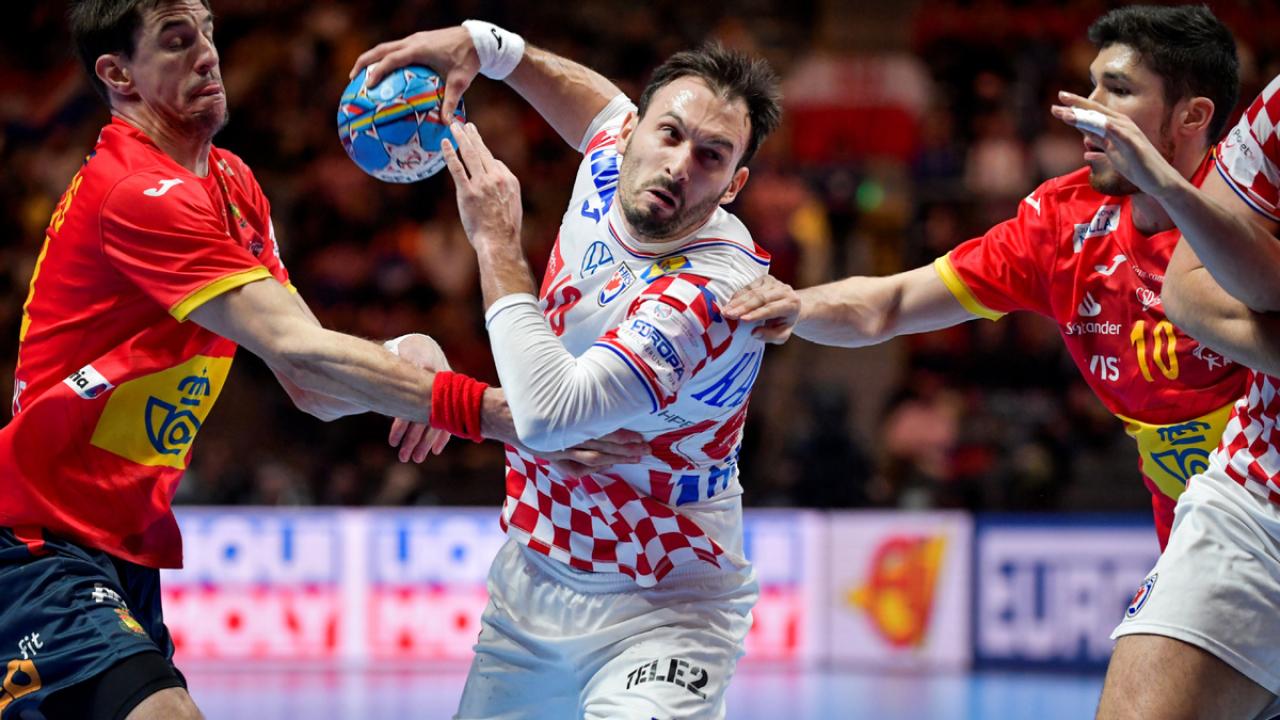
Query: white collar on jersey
{"points": [[643, 249]]}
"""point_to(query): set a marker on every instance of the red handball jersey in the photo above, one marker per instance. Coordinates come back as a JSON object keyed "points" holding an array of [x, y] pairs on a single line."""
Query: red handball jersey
{"points": [[112, 383], [1249, 160], [1073, 255]]}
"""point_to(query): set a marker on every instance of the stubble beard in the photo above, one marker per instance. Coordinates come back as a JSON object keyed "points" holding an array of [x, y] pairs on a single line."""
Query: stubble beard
{"points": [[647, 224]]}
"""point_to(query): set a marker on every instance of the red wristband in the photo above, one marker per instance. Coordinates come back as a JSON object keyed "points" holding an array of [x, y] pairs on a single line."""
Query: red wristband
{"points": [[455, 405]]}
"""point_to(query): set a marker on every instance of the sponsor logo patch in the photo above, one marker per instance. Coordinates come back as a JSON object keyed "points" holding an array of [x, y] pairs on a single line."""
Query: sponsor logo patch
{"points": [[1092, 328], [165, 186], [666, 266], [1148, 297], [1089, 307], [152, 420], [598, 256], [677, 671], [1104, 222], [1109, 270], [87, 382], [659, 348]]}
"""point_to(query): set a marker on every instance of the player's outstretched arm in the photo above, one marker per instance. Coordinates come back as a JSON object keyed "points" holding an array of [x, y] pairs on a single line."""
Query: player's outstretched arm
{"points": [[1195, 302], [567, 94], [1235, 243], [855, 311]]}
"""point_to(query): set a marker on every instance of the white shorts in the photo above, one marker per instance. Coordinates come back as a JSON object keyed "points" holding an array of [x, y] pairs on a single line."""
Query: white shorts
{"points": [[558, 644], [1217, 585]]}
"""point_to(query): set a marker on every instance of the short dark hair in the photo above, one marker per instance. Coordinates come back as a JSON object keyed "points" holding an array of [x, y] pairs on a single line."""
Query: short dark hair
{"points": [[101, 27], [731, 74], [1189, 48]]}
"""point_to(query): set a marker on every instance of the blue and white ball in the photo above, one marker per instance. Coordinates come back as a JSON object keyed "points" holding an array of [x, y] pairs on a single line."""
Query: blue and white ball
{"points": [[393, 129]]}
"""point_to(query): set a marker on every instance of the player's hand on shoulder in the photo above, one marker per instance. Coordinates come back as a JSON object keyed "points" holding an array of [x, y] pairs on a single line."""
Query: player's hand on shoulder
{"points": [[770, 302], [417, 440], [619, 447], [448, 51], [488, 192]]}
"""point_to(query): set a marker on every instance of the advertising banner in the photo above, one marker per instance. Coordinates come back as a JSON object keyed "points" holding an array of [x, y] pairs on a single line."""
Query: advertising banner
{"points": [[1048, 592], [899, 589]]}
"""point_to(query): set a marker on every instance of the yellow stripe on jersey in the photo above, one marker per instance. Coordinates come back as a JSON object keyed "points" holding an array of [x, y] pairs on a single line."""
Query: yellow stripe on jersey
{"points": [[31, 291], [55, 225], [183, 307], [1172, 453], [289, 286], [961, 291]]}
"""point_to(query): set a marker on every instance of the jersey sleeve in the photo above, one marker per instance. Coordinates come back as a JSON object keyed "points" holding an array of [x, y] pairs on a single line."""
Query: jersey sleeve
{"points": [[164, 235], [609, 118], [1007, 268], [1248, 158], [670, 332], [248, 182], [635, 369]]}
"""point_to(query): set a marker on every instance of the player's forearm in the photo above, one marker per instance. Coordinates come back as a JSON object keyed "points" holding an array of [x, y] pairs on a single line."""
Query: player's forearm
{"points": [[353, 370], [1241, 255], [860, 311], [845, 313], [1195, 302], [323, 407], [568, 95], [556, 400], [496, 421], [503, 269]]}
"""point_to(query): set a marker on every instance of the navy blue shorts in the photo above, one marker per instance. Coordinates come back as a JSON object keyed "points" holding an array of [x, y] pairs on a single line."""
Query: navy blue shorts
{"points": [[70, 616]]}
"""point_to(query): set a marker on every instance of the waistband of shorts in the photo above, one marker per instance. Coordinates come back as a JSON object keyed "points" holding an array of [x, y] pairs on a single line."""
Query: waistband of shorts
{"points": [[604, 583]]}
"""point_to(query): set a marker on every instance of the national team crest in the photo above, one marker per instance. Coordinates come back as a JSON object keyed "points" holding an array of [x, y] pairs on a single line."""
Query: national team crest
{"points": [[1140, 598], [622, 279]]}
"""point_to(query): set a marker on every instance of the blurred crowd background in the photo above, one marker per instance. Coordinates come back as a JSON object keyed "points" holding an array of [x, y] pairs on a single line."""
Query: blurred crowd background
{"points": [[910, 126]]}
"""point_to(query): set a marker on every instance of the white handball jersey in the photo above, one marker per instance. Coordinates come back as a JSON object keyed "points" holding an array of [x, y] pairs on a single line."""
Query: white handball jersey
{"points": [[1248, 158], [630, 335]]}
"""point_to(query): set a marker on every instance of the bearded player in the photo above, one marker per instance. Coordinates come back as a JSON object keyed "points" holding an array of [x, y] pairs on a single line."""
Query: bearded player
{"points": [[623, 594], [1088, 250]]}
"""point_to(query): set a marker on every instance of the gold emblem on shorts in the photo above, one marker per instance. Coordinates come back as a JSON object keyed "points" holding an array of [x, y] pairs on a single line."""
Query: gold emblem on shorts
{"points": [[128, 623]]}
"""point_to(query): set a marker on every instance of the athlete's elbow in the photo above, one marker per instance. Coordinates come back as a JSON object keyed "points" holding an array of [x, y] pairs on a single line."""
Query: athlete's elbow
{"points": [[538, 431]]}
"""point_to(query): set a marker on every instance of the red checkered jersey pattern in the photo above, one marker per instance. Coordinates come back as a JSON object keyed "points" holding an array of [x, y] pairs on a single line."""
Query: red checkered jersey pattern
{"points": [[1248, 158], [670, 332], [1074, 255], [113, 382], [656, 307], [1250, 450]]}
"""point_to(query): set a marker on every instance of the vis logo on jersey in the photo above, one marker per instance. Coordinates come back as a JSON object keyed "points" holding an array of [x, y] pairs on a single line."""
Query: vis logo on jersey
{"points": [[153, 420]]}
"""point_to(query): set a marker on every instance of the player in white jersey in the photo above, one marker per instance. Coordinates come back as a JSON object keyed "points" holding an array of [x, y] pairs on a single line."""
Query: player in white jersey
{"points": [[1201, 638], [626, 593]]}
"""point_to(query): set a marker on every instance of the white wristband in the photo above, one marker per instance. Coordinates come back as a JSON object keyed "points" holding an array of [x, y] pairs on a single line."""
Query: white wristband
{"points": [[500, 50]]}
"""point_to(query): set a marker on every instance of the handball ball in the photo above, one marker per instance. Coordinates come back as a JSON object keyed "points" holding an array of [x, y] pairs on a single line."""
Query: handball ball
{"points": [[393, 129]]}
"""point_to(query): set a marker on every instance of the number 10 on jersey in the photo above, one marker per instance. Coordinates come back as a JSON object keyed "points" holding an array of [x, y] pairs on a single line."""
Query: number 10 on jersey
{"points": [[1163, 344]]}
